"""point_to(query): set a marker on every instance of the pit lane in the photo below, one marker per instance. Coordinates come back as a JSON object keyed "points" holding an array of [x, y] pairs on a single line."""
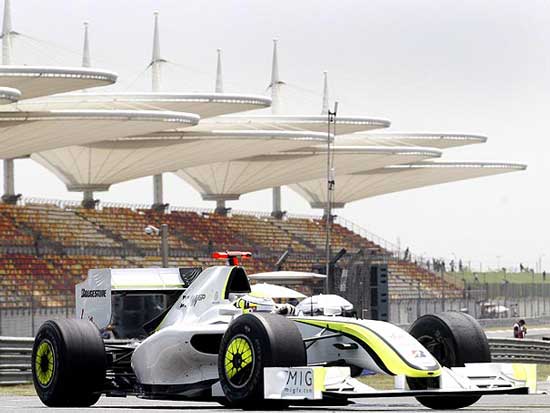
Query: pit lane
{"points": [[536, 403]]}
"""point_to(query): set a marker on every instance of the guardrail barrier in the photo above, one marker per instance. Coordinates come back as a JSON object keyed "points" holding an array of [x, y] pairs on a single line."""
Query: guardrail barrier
{"points": [[520, 350], [15, 355]]}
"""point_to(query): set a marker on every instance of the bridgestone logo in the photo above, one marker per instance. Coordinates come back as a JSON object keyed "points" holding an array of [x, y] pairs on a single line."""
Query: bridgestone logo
{"points": [[93, 293]]}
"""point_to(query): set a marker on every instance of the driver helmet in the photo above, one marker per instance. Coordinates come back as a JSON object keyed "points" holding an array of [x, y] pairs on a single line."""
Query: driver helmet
{"points": [[255, 303]]}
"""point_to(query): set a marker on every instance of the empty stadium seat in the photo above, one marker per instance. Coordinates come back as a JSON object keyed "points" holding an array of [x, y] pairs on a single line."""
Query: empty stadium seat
{"points": [[46, 249]]}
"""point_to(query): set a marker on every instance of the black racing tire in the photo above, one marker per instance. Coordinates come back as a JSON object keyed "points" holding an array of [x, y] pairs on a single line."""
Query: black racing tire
{"points": [[355, 371], [454, 339], [68, 363], [251, 342]]}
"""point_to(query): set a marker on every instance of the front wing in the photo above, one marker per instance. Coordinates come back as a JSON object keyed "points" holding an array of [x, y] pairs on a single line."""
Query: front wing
{"points": [[303, 384]]}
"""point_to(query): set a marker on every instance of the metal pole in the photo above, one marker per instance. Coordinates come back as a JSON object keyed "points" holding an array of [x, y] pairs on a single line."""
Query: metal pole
{"points": [[419, 298], [532, 293], [32, 304], [158, 195], [442, 290], [505, 292], [164, 244], [331, 119], [276, 210], [6, 34]]}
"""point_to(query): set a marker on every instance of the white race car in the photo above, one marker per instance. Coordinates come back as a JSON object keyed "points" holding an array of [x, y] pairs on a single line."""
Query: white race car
{"points": [[178, 336]]}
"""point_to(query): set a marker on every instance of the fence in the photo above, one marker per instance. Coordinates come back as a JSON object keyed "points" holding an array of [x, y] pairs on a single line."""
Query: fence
{"points": [[26, 318], [24, 322], [405, 311]]}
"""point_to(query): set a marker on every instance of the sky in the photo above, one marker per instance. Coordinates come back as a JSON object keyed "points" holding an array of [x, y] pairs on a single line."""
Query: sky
{"points": [[427, 66]]}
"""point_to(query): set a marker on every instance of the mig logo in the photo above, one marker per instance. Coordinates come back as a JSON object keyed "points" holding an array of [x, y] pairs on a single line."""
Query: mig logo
{"points": [[299, 383]]}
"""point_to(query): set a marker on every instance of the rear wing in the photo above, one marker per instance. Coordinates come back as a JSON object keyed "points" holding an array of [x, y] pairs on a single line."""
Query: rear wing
{"points": [[93, 295]]}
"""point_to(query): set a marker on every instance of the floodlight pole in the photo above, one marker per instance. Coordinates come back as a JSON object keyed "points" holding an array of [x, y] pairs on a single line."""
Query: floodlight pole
{"points": [[331, 121], [164, 244]]}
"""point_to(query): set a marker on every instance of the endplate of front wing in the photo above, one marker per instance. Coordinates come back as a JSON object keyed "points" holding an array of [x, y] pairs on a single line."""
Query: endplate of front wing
{"points": [[423, 393]]}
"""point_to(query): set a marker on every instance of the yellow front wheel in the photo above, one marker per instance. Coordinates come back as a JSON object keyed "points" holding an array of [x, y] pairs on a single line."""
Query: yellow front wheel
{"points": [[254, 341], [239, 361]]}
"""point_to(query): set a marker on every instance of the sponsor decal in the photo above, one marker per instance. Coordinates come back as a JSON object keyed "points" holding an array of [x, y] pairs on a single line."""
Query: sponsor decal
{"points": [[299, 383], [192, 300], [419, 354], [93, 293]]}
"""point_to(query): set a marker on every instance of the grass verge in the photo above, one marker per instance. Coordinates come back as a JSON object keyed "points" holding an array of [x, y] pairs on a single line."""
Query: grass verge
{"points": [[18, 390]]}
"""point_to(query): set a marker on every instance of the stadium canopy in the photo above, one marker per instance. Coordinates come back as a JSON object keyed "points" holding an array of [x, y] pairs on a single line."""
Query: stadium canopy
{"points": [[22, 133], [9, 95], [96, 166], [35, 81], [345, 124], [431, 140], [229, 180], [203, 104], [286, 276], [395, 178]]}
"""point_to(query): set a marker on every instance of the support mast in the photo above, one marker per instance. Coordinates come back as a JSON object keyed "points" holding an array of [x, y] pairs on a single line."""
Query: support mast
{"points": [[219, 77], [156, 64], [9, 196], [275, 86]]}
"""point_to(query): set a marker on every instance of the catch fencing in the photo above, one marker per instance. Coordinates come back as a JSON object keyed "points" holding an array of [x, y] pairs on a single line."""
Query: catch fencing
{"points": [[25, 321], [15, 355], [405, 311]]}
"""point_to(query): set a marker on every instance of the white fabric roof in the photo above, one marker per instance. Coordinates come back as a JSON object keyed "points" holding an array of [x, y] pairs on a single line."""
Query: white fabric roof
{"points": [[431, 140], [98, 165], [35, 81], [366, 184], [9, 95], [286, 276], [274, 291], [344, 124], [22, 133], [228, 180], [203, 104]]}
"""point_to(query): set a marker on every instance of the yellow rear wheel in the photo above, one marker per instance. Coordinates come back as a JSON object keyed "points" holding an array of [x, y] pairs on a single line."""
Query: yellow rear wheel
{"points": [[44, 363], [68, 363]]}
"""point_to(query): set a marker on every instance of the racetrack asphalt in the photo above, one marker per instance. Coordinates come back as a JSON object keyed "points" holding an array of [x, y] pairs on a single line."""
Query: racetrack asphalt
{"points": [[535, 403]]}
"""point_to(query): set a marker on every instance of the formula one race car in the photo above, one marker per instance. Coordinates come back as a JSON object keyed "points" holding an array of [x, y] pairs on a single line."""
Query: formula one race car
{"points": [[174, 333]]}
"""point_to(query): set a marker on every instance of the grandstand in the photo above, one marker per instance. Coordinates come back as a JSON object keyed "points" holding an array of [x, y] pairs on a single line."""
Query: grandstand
{"points": [[45, 248], [91, 141]]}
